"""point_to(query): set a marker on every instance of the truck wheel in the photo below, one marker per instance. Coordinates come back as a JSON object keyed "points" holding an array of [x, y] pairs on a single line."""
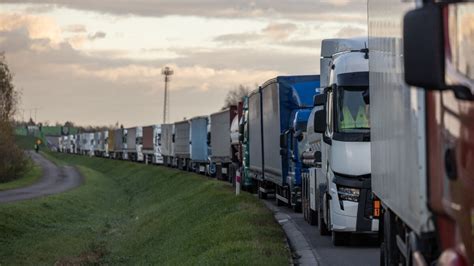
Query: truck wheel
{"points": [[323, 228], [297, 208], [391, 254], [313, 217], [339, 238]]}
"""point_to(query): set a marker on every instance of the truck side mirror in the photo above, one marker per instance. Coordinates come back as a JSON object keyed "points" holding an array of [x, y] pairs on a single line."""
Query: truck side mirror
{"points": [[320, 122], [284, 141], [424, 64], [173, 138], [208, 138], [320, 99], [241, 129]]}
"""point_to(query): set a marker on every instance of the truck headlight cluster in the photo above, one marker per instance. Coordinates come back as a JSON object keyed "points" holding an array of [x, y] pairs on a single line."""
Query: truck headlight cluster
{"points": [[349, 194]]}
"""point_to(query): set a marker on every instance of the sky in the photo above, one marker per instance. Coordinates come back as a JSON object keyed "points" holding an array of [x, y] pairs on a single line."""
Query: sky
{"points": [[98, 62]]}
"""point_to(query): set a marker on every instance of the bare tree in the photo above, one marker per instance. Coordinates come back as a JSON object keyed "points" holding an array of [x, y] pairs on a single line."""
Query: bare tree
{"points": [[234, 96], [8, 94]]}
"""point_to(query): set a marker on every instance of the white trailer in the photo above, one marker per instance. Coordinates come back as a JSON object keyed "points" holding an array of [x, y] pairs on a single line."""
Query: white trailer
{"points": [[167, 144]]}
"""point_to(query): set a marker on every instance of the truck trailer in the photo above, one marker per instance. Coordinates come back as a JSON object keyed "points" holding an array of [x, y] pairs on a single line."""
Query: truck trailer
{"points": [[167, 144], [135, 144], [181, 144], [98, 144], [199, 157], [152, 144], [111, 143], [273, 109], [422, 163], [220, 142], [120, 144]]}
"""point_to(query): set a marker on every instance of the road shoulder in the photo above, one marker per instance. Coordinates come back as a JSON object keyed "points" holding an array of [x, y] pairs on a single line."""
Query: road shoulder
{"points": [[302, 251]]}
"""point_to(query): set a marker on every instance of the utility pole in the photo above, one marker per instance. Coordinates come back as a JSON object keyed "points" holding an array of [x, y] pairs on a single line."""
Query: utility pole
{"points": [[167, 72]]}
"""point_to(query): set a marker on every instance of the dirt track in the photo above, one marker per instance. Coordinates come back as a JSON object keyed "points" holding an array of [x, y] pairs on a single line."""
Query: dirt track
{"points": [[55, 179]]}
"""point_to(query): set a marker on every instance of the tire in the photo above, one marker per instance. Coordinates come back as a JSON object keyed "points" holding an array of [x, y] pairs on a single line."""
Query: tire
{"points": [[391, 254], [261, 195], [297, 208], [323, 227], [312, 217], [339, 238]]}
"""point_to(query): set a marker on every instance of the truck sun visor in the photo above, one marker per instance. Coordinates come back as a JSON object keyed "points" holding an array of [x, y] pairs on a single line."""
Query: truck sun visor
{"points": [[354, 79]]}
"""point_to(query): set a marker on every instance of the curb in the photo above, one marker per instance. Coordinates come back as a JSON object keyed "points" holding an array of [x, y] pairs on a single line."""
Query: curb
{"points": [[302, 252]]}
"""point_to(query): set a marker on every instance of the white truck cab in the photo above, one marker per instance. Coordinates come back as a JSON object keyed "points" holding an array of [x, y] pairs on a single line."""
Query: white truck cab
{"points": [[344, 181]]}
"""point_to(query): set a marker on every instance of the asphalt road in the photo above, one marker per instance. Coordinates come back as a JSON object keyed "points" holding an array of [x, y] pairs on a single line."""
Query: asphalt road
{"points": [[54, 180], [363, 250]]}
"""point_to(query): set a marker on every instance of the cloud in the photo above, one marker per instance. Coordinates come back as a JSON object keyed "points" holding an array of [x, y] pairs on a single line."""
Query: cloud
{"points": [[238, 38], [350, 31], [62, 79], [97, 35], [75, 28], [279, 31], [304, 9], [38, 27], [272, 32]]}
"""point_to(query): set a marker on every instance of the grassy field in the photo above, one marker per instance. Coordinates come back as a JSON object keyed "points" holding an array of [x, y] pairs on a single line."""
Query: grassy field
{"points": [[135, 214], [30, 177]]}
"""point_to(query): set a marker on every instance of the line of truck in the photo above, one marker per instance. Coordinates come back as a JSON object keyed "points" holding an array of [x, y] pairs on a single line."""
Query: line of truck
{"points": [[380, 143]]}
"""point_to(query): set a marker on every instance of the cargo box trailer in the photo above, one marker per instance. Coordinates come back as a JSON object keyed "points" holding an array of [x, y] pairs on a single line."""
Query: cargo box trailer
{"points": [[220, 144], [74, 139], [120, 144], [105, 143], [98, 144], [274, 158], [181, 144], [422, 144], [111, 143], [198, 147], [167, 144], [152, 144], [135, 144], [86, 144], [255, 137]]}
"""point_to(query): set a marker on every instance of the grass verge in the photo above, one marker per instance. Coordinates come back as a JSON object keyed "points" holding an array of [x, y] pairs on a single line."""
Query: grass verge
{"points": [[128, 213], [31, 176]]}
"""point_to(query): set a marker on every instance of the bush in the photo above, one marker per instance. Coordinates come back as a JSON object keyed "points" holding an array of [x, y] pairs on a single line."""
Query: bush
{"points": [[13, 162]]}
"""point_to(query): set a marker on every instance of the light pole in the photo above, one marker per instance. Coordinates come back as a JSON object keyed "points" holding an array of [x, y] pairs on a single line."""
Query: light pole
{"points": [[167, 72]]}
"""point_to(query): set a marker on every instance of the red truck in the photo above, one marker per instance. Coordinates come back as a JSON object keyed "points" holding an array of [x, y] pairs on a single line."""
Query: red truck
{"points": [[423, 136]]}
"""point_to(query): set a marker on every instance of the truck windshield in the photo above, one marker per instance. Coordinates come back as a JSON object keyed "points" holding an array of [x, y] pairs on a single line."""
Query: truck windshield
{"points": [[352, 110]]}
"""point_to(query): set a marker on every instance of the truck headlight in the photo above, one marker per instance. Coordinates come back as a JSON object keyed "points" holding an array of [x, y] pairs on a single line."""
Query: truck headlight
{"points": [[349, 194]]}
